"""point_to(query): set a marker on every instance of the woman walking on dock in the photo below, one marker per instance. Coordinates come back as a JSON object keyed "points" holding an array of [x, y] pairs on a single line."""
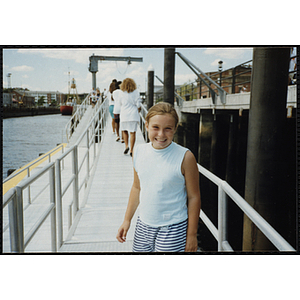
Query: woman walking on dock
{"points": [[116, 95], [130, 102], [166, 189], [111, 104]]}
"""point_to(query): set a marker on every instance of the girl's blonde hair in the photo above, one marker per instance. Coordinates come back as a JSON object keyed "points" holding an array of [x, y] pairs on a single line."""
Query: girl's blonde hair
{"points": [[128, 85], [162, 108]]}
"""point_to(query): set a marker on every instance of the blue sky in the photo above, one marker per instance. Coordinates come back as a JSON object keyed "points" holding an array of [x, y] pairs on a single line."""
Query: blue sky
{"points": [[47, 68]]}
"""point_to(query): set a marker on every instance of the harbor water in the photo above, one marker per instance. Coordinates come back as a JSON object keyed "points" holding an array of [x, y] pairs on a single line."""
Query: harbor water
{"points": [[26, 137]]}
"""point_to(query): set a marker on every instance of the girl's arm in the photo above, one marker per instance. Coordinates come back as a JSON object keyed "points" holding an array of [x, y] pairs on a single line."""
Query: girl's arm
{"points": [[133, 203], [191, 174]]}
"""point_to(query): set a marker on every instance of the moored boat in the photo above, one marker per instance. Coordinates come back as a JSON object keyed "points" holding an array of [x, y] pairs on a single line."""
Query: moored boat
{"points": [[66, 109]]}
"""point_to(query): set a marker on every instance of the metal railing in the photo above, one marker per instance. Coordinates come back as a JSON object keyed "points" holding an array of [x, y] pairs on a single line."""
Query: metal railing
{"points": [[14, 200], [74, 121], [220, 233], [77, 116], [179, 99], [82, 163], [27, 169], [232, 80], [143, 114], [82, 155], [206, 80]]}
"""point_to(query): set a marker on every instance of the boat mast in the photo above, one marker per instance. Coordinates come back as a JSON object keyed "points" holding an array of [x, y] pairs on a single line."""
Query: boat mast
{"points": [[68, 84]]}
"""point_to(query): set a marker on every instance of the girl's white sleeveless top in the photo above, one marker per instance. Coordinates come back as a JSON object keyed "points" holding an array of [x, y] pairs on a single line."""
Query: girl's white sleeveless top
{"points": [[163, 197]]}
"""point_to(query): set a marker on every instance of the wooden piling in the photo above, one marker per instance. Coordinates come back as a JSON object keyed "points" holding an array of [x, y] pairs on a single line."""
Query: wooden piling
{"points": [[169, 74], [267, 116], [150, 94]]}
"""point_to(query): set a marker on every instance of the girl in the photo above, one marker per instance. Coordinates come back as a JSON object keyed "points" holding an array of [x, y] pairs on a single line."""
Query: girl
{"points": [[117, 93], [165, 187], [130, 101], [111, 104]]}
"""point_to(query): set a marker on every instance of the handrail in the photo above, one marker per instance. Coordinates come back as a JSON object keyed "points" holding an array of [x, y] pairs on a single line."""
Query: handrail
{"points": [[143, 113], [93, 132], [197, 71], [180, 100], [42, 157], [16, 212], [248, 69], [14, 197], [73, 122], [26, 170], [224, 189]]}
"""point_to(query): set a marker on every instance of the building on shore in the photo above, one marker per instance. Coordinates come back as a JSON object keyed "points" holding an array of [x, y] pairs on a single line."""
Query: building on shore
{"points": [[24, 97], [48, 96], [233, 80]]}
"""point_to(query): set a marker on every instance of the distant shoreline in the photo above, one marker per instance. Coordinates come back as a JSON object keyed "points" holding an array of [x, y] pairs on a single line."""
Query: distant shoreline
{"points": [[16, 112]]}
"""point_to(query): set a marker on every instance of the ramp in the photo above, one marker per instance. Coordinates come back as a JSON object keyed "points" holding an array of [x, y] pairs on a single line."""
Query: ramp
{"points": [[96, 224]]}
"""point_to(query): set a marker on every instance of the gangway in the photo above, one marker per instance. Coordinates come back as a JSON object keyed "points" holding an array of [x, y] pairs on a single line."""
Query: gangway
{"points": [[84, 198], [96, 224]]}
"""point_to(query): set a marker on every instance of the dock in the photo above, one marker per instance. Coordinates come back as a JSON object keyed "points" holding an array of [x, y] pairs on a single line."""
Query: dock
{"points": [[102, 209], [97, 222]]}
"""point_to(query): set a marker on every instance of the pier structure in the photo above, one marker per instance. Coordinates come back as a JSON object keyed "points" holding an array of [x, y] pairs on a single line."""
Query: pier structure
{"points": [[84, 194]]}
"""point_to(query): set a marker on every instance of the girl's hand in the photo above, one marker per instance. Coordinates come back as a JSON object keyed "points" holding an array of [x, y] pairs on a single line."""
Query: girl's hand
{"points": [[191, 243], [122, 232]]}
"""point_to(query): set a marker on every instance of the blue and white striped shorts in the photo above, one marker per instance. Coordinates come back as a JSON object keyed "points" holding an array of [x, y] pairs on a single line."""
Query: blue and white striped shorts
{"points": [[170, 238]]}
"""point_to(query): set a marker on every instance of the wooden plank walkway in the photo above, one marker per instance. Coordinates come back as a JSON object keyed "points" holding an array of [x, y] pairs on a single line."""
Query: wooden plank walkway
{"points": [[96, 224]]}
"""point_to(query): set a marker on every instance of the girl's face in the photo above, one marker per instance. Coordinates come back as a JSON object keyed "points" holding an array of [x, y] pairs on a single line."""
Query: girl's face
{"points": [[161, 129]]}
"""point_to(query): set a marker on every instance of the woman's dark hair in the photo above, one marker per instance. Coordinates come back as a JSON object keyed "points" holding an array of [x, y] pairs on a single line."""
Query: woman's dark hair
{"points": [[112, 87]]}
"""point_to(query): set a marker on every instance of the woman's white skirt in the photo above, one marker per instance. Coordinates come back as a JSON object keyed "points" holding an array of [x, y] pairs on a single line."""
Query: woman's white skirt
{"points": [[129, 126]]}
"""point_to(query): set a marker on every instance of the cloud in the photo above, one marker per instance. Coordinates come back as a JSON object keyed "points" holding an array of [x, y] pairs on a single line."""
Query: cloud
{"points": [[228, 53], [79, 55], [22, 69], [184, 78]]}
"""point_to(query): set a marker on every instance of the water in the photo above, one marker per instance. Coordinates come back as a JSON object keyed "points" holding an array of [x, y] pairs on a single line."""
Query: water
{"points": [[25, 138]]}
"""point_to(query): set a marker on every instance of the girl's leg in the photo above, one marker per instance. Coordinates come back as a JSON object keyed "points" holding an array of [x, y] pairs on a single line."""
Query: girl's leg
{"points": [[171, 238], [125, 135], [113, 125], [117, 125], [117, 129], [132, 141]]}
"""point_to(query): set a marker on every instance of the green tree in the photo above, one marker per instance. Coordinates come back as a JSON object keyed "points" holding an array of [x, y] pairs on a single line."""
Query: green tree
{"points": [[41, 100]]}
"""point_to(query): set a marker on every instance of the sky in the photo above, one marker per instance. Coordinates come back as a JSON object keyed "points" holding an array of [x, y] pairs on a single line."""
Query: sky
{"points": [[46, 69]]}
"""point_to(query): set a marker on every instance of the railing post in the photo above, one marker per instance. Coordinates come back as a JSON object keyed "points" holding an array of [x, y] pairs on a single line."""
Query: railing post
{"points": [[70, 217], [29, 196], [13, 224], [59, 204], [99, 132], [233, 80], [53, 213], [18, 209], [88, 154], [97, 128], [222, 217], [75, 184]]}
